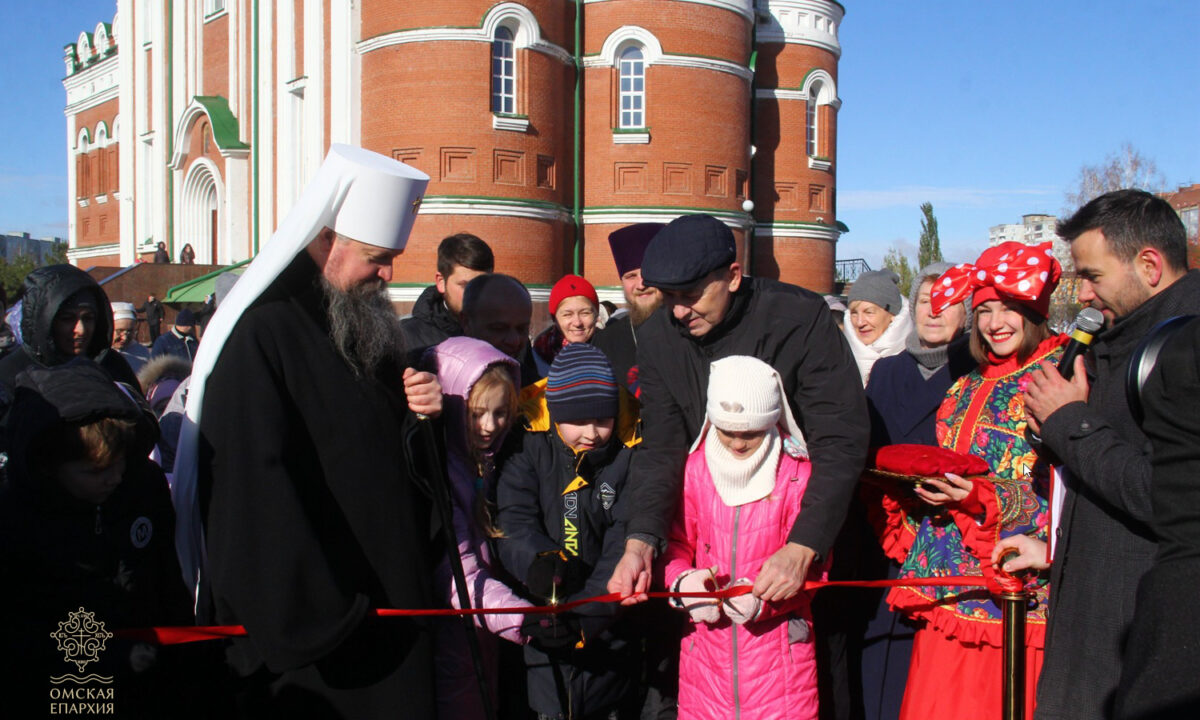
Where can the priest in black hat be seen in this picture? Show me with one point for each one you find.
(618, 338)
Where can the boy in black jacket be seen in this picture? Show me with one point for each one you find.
(560, 499)
(86, 525)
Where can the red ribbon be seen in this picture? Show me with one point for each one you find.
(187, 633)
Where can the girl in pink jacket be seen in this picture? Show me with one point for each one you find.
(479, 397)
(744, 479)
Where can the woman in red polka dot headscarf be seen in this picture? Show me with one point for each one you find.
(950, 527)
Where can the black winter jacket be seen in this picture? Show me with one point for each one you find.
(789, 328)
(431, 322)
(618, 340)
(538, 516)
(1105, 540)
(59, 554)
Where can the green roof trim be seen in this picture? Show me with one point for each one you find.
(198, 288)
(224, 124)
(842, 226)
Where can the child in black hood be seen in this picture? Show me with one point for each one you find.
(86, 522)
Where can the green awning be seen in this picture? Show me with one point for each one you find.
(197, 289)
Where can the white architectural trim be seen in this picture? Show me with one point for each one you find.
(355, 76)
(826, 96)
(801, 22)
(202, 179)
(632, 215)
(508, 122)
(517, 18)
(91, 87)
(811, 231)
(290, 93)
(83, 140)
(103, 136)
(92, 251)
(269, 211)
(312, 144)
(741, 7)
(72, 182)
(101, 39)
(623, 37)
(527, 33)
(341, 59)
(702, 63)
(780, 94)
(126, 130)
(631, 138)
(818, 163)
(499, 208)
(183, 129)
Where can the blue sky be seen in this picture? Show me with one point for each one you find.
(988, 110)
(985, 109)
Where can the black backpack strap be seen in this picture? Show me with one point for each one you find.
(1143, 360)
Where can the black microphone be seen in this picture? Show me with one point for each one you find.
(1087, 323)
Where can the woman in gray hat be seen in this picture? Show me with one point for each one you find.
(878, 321)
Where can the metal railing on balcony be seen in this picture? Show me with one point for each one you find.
(847, 271)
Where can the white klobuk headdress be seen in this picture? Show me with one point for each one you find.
(361, 195)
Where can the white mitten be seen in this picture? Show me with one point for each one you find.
(702, 610)
(741, 609)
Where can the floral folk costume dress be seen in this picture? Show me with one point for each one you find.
(957, 658)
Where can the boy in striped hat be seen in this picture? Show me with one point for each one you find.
(560, 499)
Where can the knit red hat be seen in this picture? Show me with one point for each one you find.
(570, 286)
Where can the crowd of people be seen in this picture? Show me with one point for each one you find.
(314, 461)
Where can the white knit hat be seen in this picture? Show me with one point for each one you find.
(123, 311)
(746, 394)
(743, 394)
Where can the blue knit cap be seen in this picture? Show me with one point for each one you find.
(581, 385)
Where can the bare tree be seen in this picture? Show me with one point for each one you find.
(1126, 168)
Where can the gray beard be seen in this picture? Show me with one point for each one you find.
(363, 326)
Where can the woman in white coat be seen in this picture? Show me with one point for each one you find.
(878, 320)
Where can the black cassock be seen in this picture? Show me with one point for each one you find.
(313, 517)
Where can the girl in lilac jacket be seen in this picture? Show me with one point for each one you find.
(479, 389)
(743, 482)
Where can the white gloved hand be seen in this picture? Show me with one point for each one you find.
(702, 610)
(743, 608)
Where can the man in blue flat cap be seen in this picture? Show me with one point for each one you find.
(710, 311)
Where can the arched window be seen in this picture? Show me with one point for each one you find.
(504, 72)
(632, 71)
(813, 121)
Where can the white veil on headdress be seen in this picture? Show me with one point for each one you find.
(359, 194)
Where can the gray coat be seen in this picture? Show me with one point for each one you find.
(1105, 543)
